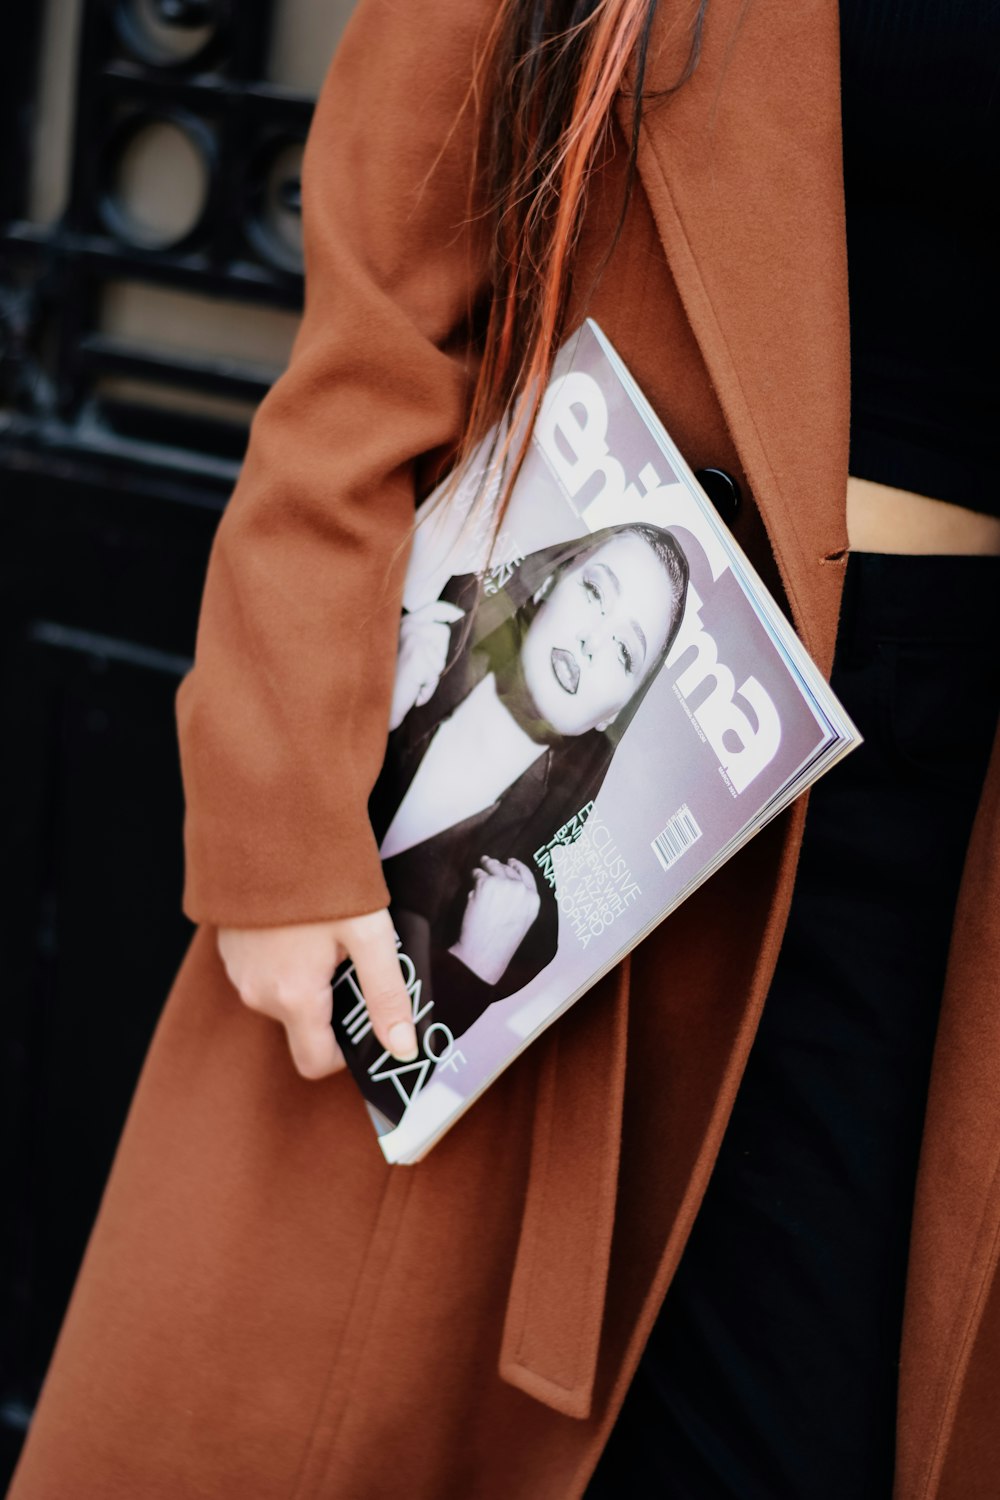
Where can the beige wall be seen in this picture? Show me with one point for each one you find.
(305, 34)
(162, 184)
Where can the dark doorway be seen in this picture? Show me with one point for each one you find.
(149, 283)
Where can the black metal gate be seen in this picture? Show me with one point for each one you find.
(141, 318)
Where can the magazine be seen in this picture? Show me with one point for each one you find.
(593, 710)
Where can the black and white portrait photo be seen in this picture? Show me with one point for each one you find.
(509, 707)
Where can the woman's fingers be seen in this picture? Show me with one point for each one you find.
(510, 869)
(426, 690)
(521, 872)
(310, 1038)
(371, 943)
(502, 907)
(433, 650)
(424, 638)
(444, 613)
(286, 972)
(402, 701)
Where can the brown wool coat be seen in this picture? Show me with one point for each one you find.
(266, 1310)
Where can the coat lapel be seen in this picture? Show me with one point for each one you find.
(742, 169)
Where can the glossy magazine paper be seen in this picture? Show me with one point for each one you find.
(590, 716)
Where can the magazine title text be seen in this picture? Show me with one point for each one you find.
(741, 724)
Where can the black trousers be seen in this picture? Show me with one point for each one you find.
(771, 1371)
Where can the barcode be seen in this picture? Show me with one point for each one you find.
(680, 833)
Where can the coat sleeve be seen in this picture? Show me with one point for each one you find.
(282, 719)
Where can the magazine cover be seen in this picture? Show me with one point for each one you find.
(589, 716)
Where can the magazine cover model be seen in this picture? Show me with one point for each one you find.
(592, 711)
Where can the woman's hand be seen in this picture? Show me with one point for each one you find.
(424, 637)
(502, 905)
(286, 973)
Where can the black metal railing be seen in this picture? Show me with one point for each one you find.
(190, 69)
(120, 438)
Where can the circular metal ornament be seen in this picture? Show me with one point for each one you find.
(158, 176)
(171, 33)
(274, 220)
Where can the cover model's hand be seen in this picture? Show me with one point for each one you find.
(502, 905)
(424, 637)
(286, 972)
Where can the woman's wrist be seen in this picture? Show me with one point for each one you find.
(490, 972)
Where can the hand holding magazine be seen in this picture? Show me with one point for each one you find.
(590, 716)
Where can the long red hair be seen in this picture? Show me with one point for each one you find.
(546, 82)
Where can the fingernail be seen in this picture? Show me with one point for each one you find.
(403, 1041)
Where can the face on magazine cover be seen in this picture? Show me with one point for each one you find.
(600, 631)
(571, 641)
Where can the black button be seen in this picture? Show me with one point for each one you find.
(723, 491)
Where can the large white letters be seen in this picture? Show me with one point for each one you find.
(572, 431)
(743, 748)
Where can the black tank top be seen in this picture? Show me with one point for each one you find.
(921, 95)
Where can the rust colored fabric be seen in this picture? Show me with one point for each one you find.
(266, 1310)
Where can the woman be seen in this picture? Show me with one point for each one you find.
(266, 1309)
(538, 683)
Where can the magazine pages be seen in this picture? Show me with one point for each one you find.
(590, 716)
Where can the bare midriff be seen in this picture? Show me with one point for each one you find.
(882, 519)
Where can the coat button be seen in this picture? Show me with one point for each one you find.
(723, 491)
